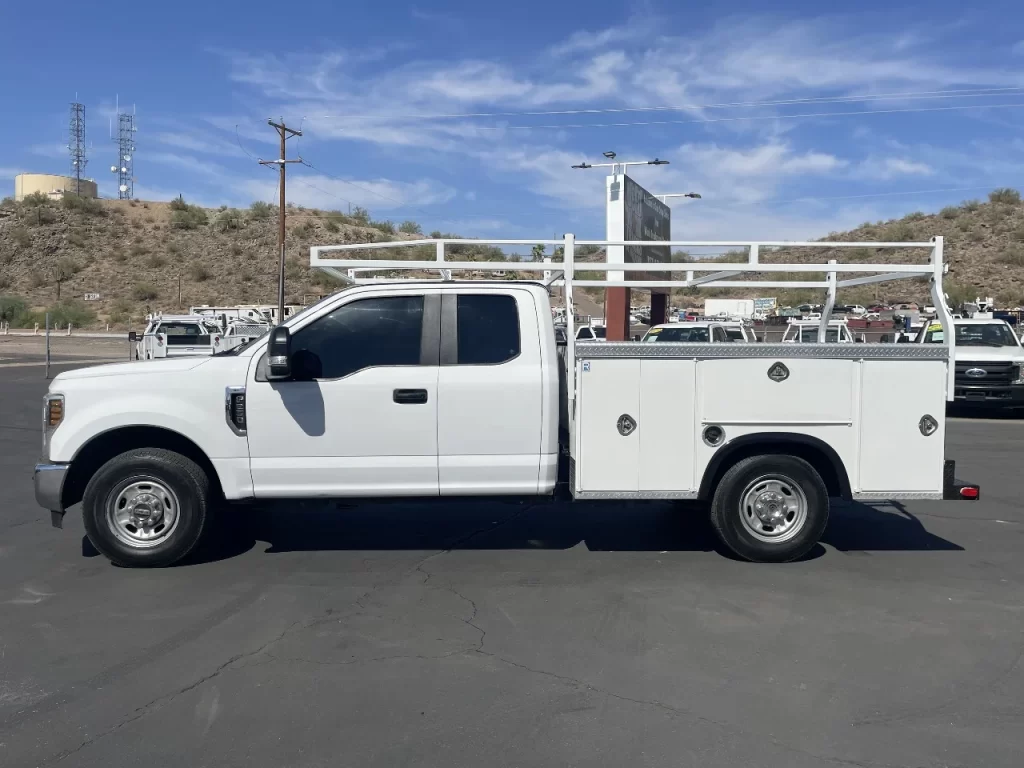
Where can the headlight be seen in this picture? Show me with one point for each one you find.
(53, 415)
(1018, 374)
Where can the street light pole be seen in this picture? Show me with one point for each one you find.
(664, 198)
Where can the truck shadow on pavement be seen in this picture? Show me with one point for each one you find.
(523, 525)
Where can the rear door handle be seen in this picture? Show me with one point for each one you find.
(410, 396)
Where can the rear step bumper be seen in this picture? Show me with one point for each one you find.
(953, 489)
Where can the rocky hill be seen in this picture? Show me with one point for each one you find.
(136, 254)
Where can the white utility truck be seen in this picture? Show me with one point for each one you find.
(179, 336)
(989, 361)
(447, 388)
(703, 329)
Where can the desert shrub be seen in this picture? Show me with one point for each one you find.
(964, 225)
(410, 228)
(41, 215)
(185, 216)
(118, 255)
(976, 235)
(155, 261)
(11, 308)
(173, 248)
(199, 273)
(229, 219)
(385, 226)
(361, 216)
(138, 249)
(949, 212)
(66, 268)
(900, 231)
(87, 206)
(331, 226)
(36, 279)
(35, 200)
(1004, 195)
(21, 237)
(260, 210)
(71, 311)
(321, 279)
(76, 239)
(1013, 255)
(915, 216)
(235, 249)
(145, 292)
(971, 205)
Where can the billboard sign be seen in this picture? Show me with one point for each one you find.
(765, 305)
(635, 214)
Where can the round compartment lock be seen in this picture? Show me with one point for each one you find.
(928, 425)
(713, 435)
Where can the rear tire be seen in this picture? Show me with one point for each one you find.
(146, 507)
(770, 509)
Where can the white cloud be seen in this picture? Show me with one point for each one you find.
(885, 168)
(10, 173)
(53, 150)
(319, 191)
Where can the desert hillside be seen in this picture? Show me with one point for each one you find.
(135, 254)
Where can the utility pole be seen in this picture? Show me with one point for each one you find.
(285, 133)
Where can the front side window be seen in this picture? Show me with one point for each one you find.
(366, 333)
(488, 329)
(735, 334)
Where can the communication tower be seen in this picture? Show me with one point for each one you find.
(125, 156)
(76, 143)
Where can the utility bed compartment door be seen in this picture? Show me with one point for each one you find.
(609, 391)
(894, 454)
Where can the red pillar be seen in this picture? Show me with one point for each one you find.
(659, 308)
(616, 314)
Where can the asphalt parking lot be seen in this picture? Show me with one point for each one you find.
(509, 634)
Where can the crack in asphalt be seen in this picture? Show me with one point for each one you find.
(298, 625)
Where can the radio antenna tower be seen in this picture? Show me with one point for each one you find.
(76, 143)
(125, 156)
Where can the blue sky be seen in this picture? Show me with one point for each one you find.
(370, 82)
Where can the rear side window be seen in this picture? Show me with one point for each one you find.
(488, 329)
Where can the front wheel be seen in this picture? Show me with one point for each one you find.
(146, 507)
(770, 509)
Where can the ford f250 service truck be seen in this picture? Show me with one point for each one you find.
(445, 388)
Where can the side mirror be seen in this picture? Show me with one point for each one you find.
(133, 336)
(279, 355)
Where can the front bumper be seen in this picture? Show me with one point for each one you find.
(1011, 396)
(49, 484)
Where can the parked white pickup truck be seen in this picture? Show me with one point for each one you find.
(438, 388)
(699, 331)
(989, 362)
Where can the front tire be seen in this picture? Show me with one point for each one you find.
(146, 507)
(770, 509)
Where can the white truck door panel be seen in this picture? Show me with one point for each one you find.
(666, 419)
(608, 390)
(489, 405)
(894, 455)
(361, 418)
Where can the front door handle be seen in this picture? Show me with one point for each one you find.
(410, 396)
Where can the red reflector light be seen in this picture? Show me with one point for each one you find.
(969, 493)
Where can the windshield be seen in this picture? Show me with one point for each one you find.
(810, 335)
(676, 334)
(987, 335)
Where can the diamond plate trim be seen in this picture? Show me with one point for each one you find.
(699, 351)
(634, 495)
(896, 496)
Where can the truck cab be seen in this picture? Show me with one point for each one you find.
(699, 331)
(989, 361)
(180, 336)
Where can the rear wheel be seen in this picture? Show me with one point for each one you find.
(147, 507)
(770, 508)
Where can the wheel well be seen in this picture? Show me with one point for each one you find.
(817, 453)
(104, 447)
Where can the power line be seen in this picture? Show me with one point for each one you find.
(914, 95)
(752, 118)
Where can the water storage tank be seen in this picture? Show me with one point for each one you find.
(50, 185)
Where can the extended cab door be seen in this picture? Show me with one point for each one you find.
(490, 383)
(359, 417)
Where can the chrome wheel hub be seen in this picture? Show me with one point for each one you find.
(773, 508)
(142, 513)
